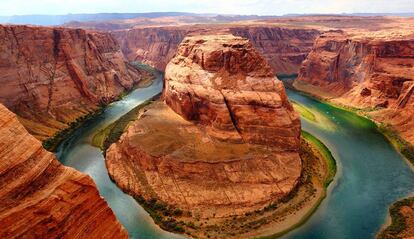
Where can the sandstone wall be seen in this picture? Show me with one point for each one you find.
(373, 72)
(283, 48)
(52, 76)
(40, 198)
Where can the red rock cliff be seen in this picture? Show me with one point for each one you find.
(52, 76)
(283, 48)
(223, 83)
(40, 198)
(369, 71)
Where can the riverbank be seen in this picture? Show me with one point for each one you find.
(331, 169)
(402, 217)
(111, 134)
(404, 147)
(398, 222)
(274, 219)
(52, 143)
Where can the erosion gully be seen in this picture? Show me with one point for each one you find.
(371, 176)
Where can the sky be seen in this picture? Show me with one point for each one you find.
(259, 7)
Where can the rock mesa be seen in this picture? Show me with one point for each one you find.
(226, 141)
(222, 83)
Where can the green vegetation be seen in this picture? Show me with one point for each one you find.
(406, 149)
(326, 153)
(52, 143)
(163, 214)
(111, 134)
(303, 111)
(305, 180)
(398, 221)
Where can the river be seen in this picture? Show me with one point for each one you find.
(371, 176)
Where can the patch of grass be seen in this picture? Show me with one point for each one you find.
(398, 222)
(303, 111)
(406, 149)
(52, 143)
(162, 214)
(111, 134)
(326, 153)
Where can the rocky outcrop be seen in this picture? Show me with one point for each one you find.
(40, 198)
(372, 71)
(222, 83)
(283, 48)
(53, 76)
(226, 145)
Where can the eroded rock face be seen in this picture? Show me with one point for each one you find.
(370, 71)
(222, 83)
(52, 76)
(283, 48)
(225, 142)
(40, 198)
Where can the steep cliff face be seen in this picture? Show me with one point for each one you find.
(221, 82)
(40, 198)
(283, 48)
(370, 71)
(225, 142)
(52, 76)
(153, 46)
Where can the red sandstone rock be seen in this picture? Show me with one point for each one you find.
(52, 76)
(242, 152)
(374, 71)
(284, 48)
(222, 83)
(40, 198)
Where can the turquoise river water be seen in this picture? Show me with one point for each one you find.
(371, 175)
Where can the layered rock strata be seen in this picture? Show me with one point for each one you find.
(222, 83)
(40, 198)
(53, 76)
(283, 47)
(370, 71)
(225, 142)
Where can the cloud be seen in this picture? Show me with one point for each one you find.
(263, 7)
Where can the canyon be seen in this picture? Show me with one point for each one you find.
(283, 47)
(367, 61)
(222, 144)
(52, 77)
(40, 198)
(369, 71)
